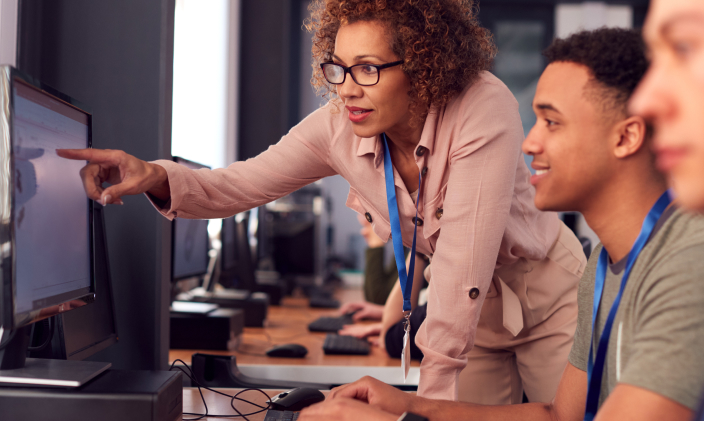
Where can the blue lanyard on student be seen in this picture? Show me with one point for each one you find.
(395, 221)
(595, 367)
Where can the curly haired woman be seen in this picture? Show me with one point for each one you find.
(502, 300)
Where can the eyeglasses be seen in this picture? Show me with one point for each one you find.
(362, 74)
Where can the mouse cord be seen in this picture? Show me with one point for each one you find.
(254, 354)
(190, 375)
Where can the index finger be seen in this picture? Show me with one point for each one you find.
(96, 156)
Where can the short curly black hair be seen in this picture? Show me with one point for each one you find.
(614, 56)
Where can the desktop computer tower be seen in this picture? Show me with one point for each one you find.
(255, 304)
(220, 329)
(116, 395)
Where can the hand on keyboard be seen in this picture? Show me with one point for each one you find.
(361, 331)
(363, 310)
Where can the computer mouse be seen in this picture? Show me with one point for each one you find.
(287, 351)
(296, 399)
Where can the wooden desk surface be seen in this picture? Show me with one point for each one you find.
(288, 323)
(220, 405)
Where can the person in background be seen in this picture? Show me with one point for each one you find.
(379, 279)
(591, 155)
(388, 333)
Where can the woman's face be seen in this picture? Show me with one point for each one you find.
(384, 107)
(671, 94)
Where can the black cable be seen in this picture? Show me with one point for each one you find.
(49, 337)
(190, 375)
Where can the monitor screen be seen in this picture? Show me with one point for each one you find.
(191, 243)
(191, 246)
(237, 267)
(80, 333)
(51, 214)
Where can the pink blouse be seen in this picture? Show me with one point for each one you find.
(476, 204)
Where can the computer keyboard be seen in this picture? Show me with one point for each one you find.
(323, 302)
(345, 345)
(274, 415)
(330, 324)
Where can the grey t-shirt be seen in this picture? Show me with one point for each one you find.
(657, 340)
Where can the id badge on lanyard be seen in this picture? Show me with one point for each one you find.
(595, 366)
(403, 277)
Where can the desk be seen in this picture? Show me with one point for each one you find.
(288, 323)
(220, 405)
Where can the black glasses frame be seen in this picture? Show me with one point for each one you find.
(349, 70)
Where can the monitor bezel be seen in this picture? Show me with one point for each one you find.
(10, 319)
(185, 162)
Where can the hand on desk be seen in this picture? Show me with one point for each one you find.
(361, 331)
(363, 310)
(344, 410)
(377, 394)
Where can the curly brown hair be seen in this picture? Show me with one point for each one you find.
(440, 41)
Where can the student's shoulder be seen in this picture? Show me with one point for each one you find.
(683, 230)
(675, 256)
(586, 284)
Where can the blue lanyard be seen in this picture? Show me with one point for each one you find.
(395, 221)
(595, 367)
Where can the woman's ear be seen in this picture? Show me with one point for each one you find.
(632, 134)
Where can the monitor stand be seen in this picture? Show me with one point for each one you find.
(17, 369)
(56, 373)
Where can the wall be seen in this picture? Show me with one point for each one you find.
(268, 86)
(117, 57)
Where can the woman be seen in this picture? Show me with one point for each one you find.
(414, 72)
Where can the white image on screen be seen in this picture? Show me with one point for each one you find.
(51, 221)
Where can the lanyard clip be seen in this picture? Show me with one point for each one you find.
(407, 322)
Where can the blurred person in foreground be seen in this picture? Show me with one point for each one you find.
(593, 156)
(671, 97)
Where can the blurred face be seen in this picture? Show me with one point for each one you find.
(383, 107)
(569, 140)
(672, 94)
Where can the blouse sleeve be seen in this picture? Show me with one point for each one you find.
(298, 159)
(476, 210)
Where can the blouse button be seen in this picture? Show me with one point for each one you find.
(474, 293)
(417, 221)
(420, 151)
(438, 213)
(425, 171)
(369, 217)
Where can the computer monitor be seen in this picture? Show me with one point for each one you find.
(191, 243)
(45, 224)
(237, 266)
(253, 234)
(87, 330)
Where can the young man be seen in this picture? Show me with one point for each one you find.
(593, 157)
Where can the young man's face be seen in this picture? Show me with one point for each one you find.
(671, 94)
(569, 140)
